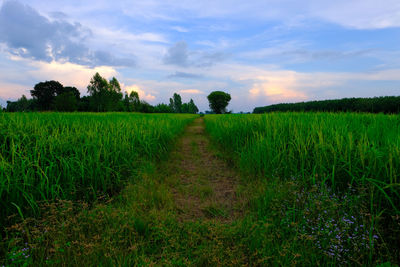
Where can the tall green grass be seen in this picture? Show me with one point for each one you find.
(347, 152)
(341, 149)
(47, 156)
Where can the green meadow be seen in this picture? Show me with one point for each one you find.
(119, 189)
(77, 156)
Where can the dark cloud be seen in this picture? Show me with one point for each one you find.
(177, 55)
(209, 59)
(30, 35)
(185, 75)
(180, 55)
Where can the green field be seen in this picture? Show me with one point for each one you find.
(344, 167)
(51, 156)
(221, 190)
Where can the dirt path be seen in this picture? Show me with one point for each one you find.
(204, 186)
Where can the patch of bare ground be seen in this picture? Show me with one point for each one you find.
(203, 185)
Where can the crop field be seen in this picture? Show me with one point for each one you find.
(76, 156)
(349, 159)
(120, 189)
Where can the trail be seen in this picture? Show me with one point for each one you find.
(180, 211)
(204, 187)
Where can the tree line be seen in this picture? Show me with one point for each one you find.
(103, 96)
(385, 104)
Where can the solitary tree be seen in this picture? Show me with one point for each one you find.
(219, 101)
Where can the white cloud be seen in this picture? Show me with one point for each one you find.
(69, 73)
(141, 92)
(361, 14)
(179, 29)
(191, 91)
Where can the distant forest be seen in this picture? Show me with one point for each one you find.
(385, 104)
(103, 96)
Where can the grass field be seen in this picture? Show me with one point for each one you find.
(76, 156)
(277, 189)
(345, 170)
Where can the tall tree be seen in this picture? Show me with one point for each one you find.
(132, 101)
(171, 104)
(45, 92)
(97, 89)
(114, 95)
(105, 96)
(219, 101)
(177, 103)
(192, 108)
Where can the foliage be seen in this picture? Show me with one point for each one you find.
(21, 105)
(189, 107)
(66, 102)
(219, 101)
(105, 96)
(386, 104)
(176, 103)
(69, 89)
(45, 92)
(131, 101)
(163, 108)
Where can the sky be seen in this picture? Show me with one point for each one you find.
(260, 51)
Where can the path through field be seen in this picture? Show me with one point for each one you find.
(184, 210)
(204, 186)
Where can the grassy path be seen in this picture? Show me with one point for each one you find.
(182, 211)
(204, 186)
(193, 209)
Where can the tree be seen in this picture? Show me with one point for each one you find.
(45, 92)
(192, 108)
(146, 107)
(22, 104)
(219, 101)
(73, 90)
(97, 89)
(105, 96)
(66, 102)
(84, 103)
(163, 108)
(132, 101)
(185, 108)
(176, 103)
(171, 103)
(114, 95)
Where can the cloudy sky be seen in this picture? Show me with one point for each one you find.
(260, 51)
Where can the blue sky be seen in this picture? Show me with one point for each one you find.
(261, 52)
